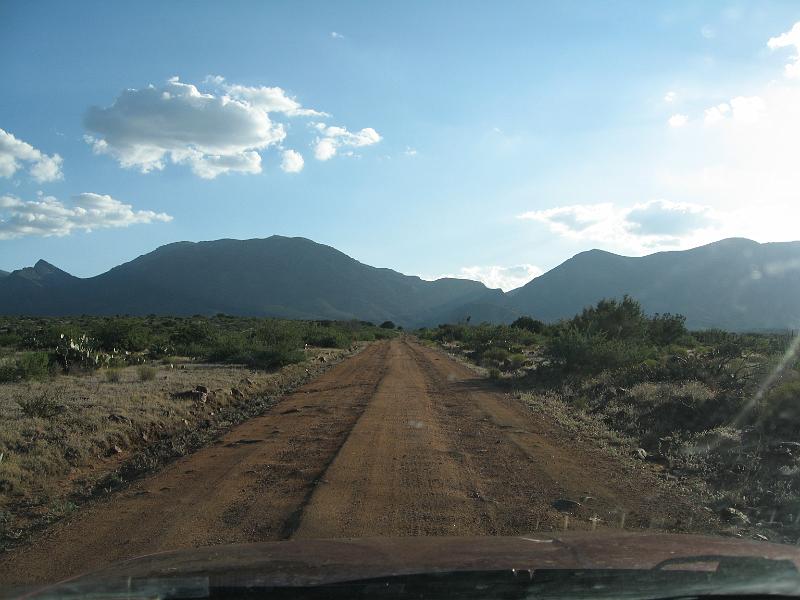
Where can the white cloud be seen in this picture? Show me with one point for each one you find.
(221, 129)
(336, 36)
(268, 99)
(14, 151)
(48, 216)
(505, 278)
(331, 138)
(670, 97)
(789, 39)
(292, 161)
(717, 113)
(639, 228)
(678, 120)
(409, 151)
(741, 158)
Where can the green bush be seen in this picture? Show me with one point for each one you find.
(666, 329)
(113, 375)
(27, 366)
(587, 352)
(146, 373)
(495, 356)
(123, 334)
(387, 325)
(43, 405)
(529, 324)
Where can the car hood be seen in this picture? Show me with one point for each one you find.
(315, 562)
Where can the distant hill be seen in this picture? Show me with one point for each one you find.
(734, 284)
(277, 276)
(3, 273)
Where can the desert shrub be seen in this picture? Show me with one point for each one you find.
(387, 325)
(665, 329)
(779, 410)
(529, 324)
(326, 337)
(123, 334)
(146, 373)
(194, 334)
(113, 375)
(27, 366)
(494, 373)
(587, 352)
(515, 362)
(42, 405)
(495, 356)
(614, 319)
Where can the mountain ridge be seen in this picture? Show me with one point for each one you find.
(734, 283)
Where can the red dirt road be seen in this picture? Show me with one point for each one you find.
(399, 440)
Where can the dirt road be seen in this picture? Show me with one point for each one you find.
(398, 440)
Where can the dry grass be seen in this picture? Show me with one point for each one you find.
(59, 438)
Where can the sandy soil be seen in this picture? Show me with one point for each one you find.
(399, 440)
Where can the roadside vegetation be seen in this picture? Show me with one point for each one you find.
(87, 402)
(712, 409)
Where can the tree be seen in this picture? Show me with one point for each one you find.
(387, 325)
(529, 324)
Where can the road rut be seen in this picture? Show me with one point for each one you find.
(398, 440)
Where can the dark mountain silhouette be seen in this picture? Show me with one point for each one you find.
(734, 284)
(3, 273)
(276, 276)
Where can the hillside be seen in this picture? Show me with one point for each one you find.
(734, 284)
(276, 276)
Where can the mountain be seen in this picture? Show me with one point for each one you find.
(276, 276)
(735, 284)
(3, 273)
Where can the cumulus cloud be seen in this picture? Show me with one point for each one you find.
(221, 129)
(670, 97)
(789, 39)
(46, 216)
(638, 228)
(678, 120)
(14, 152)
(337, 36)
(331, 138)
(267, 99)
(292, 161)
(494, 276)
(745, 109)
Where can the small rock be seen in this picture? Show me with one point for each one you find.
(735, 516)
(116, 449)
(323, 359)
(640, 453)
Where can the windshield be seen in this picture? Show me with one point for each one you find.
(399, 290)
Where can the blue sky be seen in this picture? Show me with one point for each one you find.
(487, 140)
